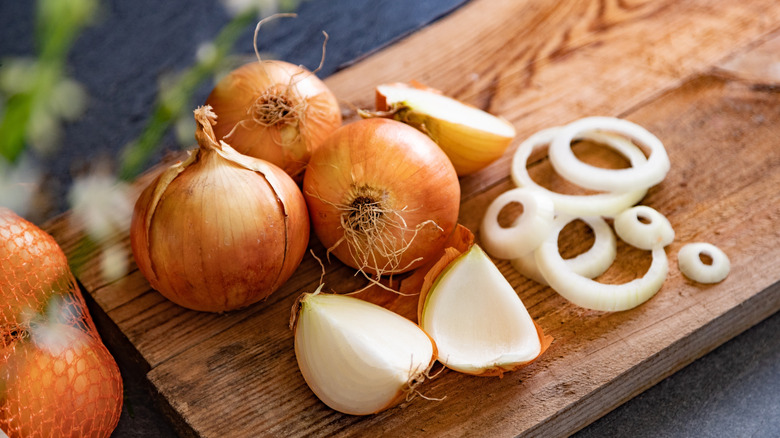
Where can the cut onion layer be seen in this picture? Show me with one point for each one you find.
(602, 204)
(590, 264)
(525, 233)
(478, 322)
(689, 260)
(644, 228)
(591, 294)
(637, 177)
(357, 357)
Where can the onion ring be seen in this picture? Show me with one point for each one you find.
(630, 228)
(691, 265)
(602, 204)
(591, 294)
(637, 177)
(527, 231)
(590, 264)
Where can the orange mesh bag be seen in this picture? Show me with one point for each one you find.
(57, 379)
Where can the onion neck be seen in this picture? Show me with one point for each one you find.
(204, 134)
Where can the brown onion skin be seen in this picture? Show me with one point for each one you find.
(396, 158)
(237, 91)
(217, 243)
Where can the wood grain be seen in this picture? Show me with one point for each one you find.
(694, 73)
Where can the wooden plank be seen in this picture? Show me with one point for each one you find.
(700, 88)
(595, 355)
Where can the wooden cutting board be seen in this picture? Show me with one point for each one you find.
(704, 76)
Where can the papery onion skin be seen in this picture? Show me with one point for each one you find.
(213, 234)
(392, 164)
(288, 145)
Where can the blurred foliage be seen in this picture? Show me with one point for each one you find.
(174, 98)
(37, 96)
(36, 93)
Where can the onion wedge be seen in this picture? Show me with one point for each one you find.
(470, 137)
(478, 322)
(357, 357)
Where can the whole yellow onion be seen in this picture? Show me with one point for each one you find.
(220, 230)
(275, 111)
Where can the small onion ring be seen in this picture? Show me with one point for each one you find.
(691, 265)
(590, 264)
(637, 177)
(602, 204)
(657, 232)
(591, 294)
(526, 232)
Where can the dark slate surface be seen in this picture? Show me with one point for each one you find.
(731, 392)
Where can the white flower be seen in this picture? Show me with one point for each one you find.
(18, 184)
(263, 7)
(102, 205)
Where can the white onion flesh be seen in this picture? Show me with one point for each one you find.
(357, 357)
(590, 264)
(601, 204)
(591, 294)
(478, 322)
(691, 265)
(657, 231)
(637, 177)
(526, 232)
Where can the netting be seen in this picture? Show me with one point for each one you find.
(57, 379)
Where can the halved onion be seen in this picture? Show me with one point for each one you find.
(357, 357)
(689, 260)
(478, 322)
(601, 204)
(638, 177)
(590, 264)
(591, 294)
(644, 227)
(470, 137)
(526, 232)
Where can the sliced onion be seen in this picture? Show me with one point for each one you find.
(526, 232)
(590, 264)
(691, 265)
(637, 177)
(657, 231)
(591, 294)
(602, 204)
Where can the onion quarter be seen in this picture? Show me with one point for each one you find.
(357, 357)
(477, 320)
(470, 137)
